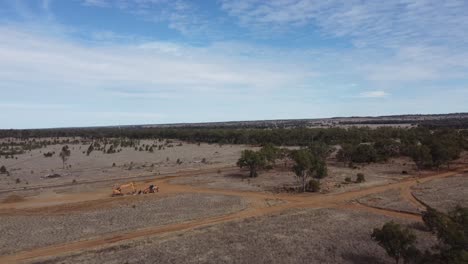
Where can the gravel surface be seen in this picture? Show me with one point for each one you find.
(444, 194)
(297, 236)
(21, 232)
(390, 199)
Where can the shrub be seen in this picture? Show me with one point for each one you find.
(113, 164)
(347, 179)
(203, 160)
(3, 170)
(18, 180)
(360, 177)
(313, 186)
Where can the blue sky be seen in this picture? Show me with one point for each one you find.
(103, 62)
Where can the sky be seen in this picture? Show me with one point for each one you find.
(121, 62)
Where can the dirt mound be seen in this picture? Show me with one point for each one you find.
(13, 199)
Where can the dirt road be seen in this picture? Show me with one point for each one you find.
(259, 205)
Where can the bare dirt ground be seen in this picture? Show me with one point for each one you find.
(31, 167)
(207, 213)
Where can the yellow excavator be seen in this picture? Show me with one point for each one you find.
(128, 188)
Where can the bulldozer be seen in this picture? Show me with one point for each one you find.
(123, 189)
(151, 189)
(129, 189)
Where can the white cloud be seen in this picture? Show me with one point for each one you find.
(153, 65)
(373, 94)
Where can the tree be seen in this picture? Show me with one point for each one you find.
(270, 152)
(65, 154)
(386, 148)
(364, 153)
(397, 242)
(308, 165)
(452, 232)
(253, 160)
(90, 149)
(421, 156)
(320, 149)
(344, 153)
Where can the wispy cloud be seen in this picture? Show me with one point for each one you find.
(367, 22)
(182, 16)
(373, 94)
(156, 65)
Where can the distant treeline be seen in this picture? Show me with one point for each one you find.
(280, 136)
(458, 123)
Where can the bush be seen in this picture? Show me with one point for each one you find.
(313, 186)
(113, 164)
(364, 153)
(348, 179)
(3, 170)
(18, 180)
(360, 178)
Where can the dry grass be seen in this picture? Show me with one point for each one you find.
(390, 199)
(25, 231)
(297, 236)
(444, 194)
(32, 166)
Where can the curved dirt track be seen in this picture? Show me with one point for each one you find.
(258, 206)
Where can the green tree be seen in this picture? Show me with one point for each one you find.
(452, 232)
(398, 242)
(364, 153)
(65, 154)
(421, 156)
(344, 153)
(308, 165)
(253, 160)
(386, 148)
(270, 152)
(320, 149)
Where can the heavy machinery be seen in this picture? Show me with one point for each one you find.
(128, 188)
(150, 189)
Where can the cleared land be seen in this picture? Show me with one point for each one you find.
(297, 236)
(207, 210)
(31, 229)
